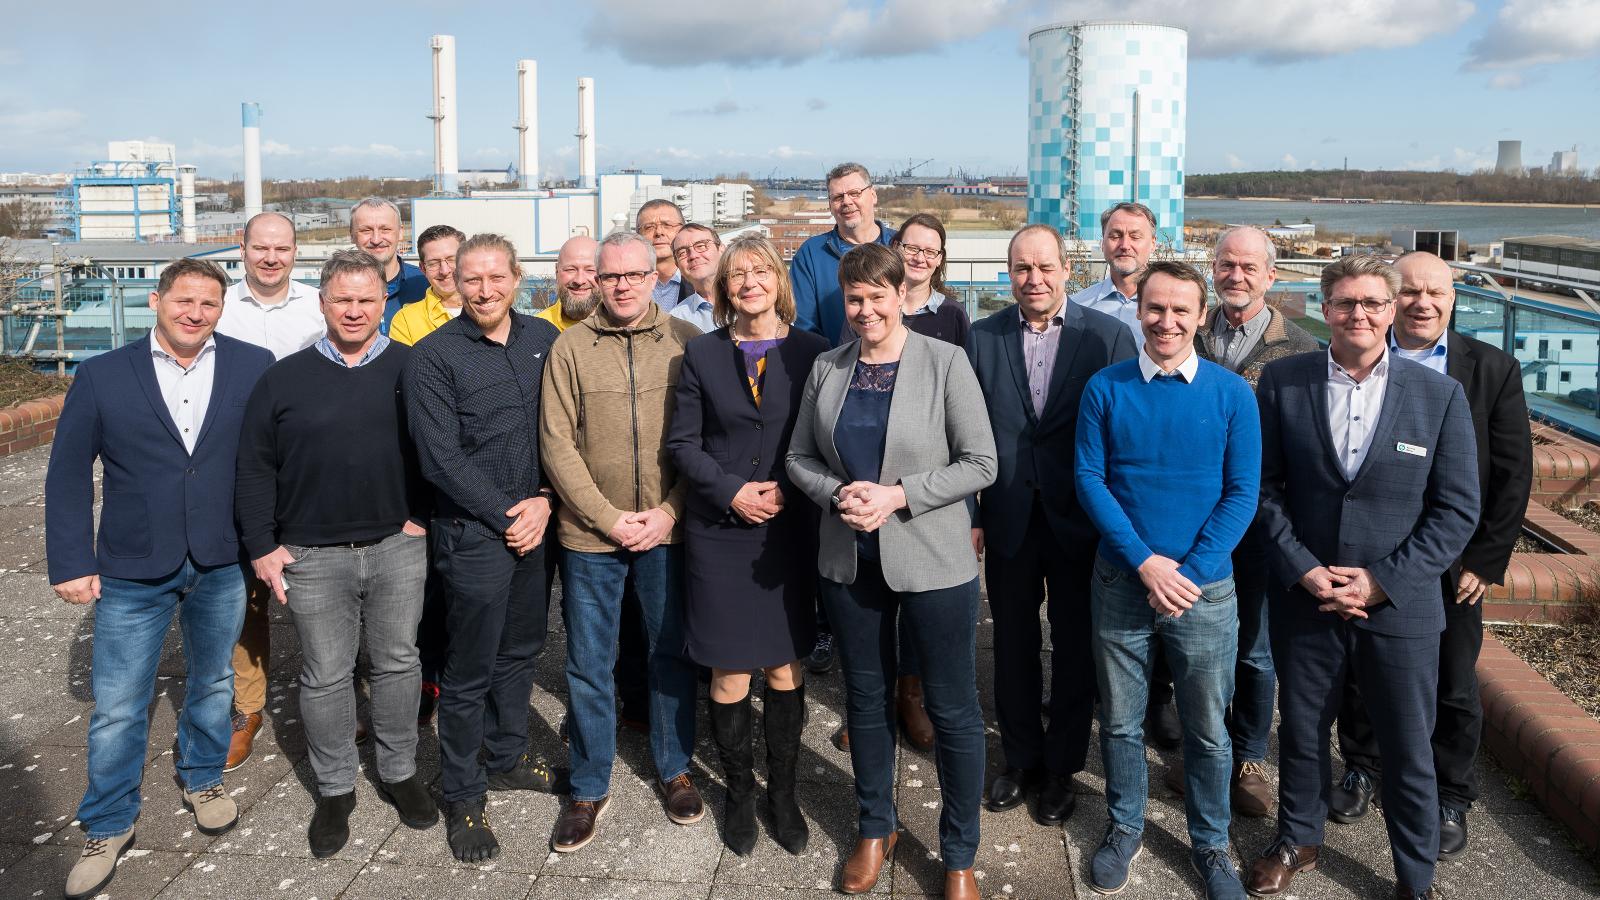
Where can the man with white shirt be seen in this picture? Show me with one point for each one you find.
(697, 250)
(273, 311)
(1127, 238)
(659, 221)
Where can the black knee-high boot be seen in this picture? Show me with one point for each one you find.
(784, 717)
(730, 722)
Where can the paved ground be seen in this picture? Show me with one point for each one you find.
(1516, 852)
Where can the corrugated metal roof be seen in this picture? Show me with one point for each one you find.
(1557, 241)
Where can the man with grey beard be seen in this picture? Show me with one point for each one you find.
(575, 293)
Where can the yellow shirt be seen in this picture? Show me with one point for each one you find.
(552, 314)
(416, 321)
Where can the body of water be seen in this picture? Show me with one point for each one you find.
(1477, 224)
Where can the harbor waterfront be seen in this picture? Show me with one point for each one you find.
(1478, 223)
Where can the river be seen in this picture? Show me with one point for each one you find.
(1477, 224)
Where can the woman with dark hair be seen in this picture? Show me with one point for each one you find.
(929, 308)
(891, 439)
(750, 539)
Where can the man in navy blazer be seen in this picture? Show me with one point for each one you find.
(1033, 359)
(1369, 492)
(162, 415)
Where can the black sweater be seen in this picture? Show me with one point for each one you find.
(324, 455)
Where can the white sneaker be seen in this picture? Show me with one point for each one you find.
(97, 866)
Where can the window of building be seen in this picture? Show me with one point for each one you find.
(1566, 344)
(1522, 343)
(1566, 377)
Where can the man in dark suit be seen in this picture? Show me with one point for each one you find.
(1369, 491)
(162, 415)
(1033, 360)
(1492, 379)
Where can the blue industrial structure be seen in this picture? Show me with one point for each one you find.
(98, 193)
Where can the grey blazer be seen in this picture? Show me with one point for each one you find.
(939, 449)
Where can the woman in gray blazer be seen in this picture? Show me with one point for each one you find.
(891, 440)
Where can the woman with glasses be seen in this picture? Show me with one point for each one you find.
(751, 540)
(929, 310)
(891, 439)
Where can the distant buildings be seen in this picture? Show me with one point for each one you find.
(1564, 162)
(709, 204)
(1509, 161)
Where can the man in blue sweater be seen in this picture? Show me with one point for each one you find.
(818, 301)
(1169, 467)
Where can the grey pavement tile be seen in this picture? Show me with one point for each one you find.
(381, 881)
(41, 791)
(166, 824)
(22, 515)
(28, 595)
(1016, 856)
(21, 549)
(548, 887)
(10, 853)
(763, 892)
(830, 811)
(1508, 854)
(521, 820)
(635, 838)
(43, 645)
(215, 875)
(141, 872)
(22, 476)
(275, 824)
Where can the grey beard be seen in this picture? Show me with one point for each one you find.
(575, 309)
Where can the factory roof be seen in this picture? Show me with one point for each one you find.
(1558, 241)
(118, 251)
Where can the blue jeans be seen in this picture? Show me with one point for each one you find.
(130, 622)
(941, 625)
(591, 602)
(1255, 680)
(1201, 646)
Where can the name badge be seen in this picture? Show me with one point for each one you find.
(1412, 449)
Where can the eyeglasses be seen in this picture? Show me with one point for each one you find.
(434, 265)
(698, 247)
(610, 279)
(912, 252)
(740, 276)
(1372, 306)
(852, 196)
(647, 227)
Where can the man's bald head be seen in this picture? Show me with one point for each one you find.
(575, 287)
(1425, 302)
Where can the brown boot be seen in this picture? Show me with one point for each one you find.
(960, 885)
(913, 718)
(1250, 791)
(245, 727)
(1272, 870)
(841, 739)
(860, 873)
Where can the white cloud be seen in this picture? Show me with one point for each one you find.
(1507, 81)
(375, 151)
(1288, 162)
(1432, 164)
(1235, 163)
(678, 153)
(1533, 32)
(723, 107)
(1464, 160)
(39, 122)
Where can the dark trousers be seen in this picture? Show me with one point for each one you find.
(1399, 677)
(1042, 571)
(1459, 726)
(497, 609)
(1254, 678)
(432, 632)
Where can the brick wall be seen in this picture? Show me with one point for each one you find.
(1565, 469)
(30, 424)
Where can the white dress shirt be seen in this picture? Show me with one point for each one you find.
(1353, 409)
(697, 310)
(283, 328)
(186, 391)
(1103, 296)
(1185, 370)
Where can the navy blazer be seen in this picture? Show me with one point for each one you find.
(161, 504)
(1405, 516)
(719, 439)
(1038, 453)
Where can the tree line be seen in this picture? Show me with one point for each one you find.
(1411, 187)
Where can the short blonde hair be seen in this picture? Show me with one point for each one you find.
(757, 250)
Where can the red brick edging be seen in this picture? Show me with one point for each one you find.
(1542, 737)
(27, 425)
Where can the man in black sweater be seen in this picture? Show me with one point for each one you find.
(331, 511)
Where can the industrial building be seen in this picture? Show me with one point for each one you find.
(1107, 104)
(709, 204)
(1553, 256)
(1564, 162)
(1509, 160)
(131, 195)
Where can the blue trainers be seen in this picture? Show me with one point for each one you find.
(1108, 871)
(1216, 871)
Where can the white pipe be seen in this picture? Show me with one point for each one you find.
(586, 175)
(252, 159)
(528, 123)
(186, 191)
(447, 165)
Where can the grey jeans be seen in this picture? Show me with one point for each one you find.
(339, 595)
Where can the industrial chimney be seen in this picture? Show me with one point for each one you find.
(586, 177)
(527, 126)
(446, 166)
(252, 159)
(187, 231)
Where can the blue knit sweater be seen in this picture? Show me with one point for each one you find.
(1169, 467)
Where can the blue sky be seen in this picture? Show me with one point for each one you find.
(701, 87)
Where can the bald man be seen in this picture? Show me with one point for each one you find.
(575, 290)
(1493, 382)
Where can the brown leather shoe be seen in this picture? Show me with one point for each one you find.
(841, 739)
(1250, 791)
(960, 885)
(576, 824)
(682, 800)
(1401, 892)
(913, 718)
(860, 872)
(245, 727)
(1272, 870)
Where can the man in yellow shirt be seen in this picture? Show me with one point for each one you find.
(436, 247)
(575, 291)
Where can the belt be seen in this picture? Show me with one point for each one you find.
(351, 545)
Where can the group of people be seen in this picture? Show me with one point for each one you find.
(736, 464)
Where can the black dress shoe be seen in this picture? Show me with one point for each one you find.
(1011, 787)
(1161, 726)
(1452, 832)
(330, 825)
(1056, 801)
(1351, 799)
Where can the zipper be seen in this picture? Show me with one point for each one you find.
(633, 408)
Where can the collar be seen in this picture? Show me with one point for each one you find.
(840, 246)
(157, 352)
(1057, 320)
(325, 345)
(297, 291)
(935, 300)
(1187, 369)
(1253, 325)
(1104, 288)
(1336, 371)
(473, 330)
(1441, 347)
(695, 301)
(435, 307)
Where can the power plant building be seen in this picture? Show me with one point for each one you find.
(1107, 106)
(1509, 160)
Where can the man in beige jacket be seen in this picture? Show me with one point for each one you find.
(607, 398)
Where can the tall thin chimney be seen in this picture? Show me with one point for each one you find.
(528, 123)
(446, 164)
(586, 176)
(187, 232)
(252, 158)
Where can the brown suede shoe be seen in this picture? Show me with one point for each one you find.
(576, 825)
(914, 719)
(1250, 791)
(960, 885)
(860, 872)
(1272, 870)
(245, 727)
(682, 800)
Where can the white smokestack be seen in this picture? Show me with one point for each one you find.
(446, 165)
(586, 178)
(252, 158)
(528, 123)
(186, 191)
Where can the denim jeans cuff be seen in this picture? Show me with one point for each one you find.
(100, 834)
(588, 798)
(209, 784)
(682, 771)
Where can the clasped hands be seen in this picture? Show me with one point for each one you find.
(758, 501)
(641, 531)
(865, 506)
(1346, 590)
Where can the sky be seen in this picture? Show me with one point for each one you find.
(697, 88)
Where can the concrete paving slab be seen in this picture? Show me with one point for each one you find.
(215, 875)
(1016, 856)
(140, 873)
(41, 791)
(275, 825)
(635, 839)
(521, 820)
(830, 811)
(554, 887)
(28, 595)
(380, 881)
